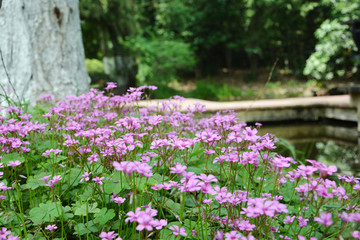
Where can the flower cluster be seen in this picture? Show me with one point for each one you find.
(145, 219)
(102, 156)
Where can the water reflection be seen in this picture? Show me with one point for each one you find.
(333, 145)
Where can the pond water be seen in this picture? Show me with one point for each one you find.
(328, 142)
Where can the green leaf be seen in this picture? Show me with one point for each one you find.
(104, 216)
(288, 191)
(48, 212)
(151, 182)
(81, 229)
(42, 146)
(332, 206)
(75, 176)
(160, 178)
(140, 183)
(81, 210)
(32, 184)
(173, 206)
(12, 157)
(114, 187)
(196, 150)
(60, 158)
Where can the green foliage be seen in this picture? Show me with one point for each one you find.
(333, 51)
(94, 66)
(169, 37)
(327, 151)
(96, 72)
(137, 179)
(161, 60)
(209, 90)
(334, 54)
(12, 157)
(48, 212)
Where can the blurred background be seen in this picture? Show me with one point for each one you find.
(222, 49)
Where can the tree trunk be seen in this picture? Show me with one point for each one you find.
(42, 49)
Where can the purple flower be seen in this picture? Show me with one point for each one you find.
(108, 235)
(110, 85)
(85, 176)
(289, 219)
(144, 222)
(356, 234)
(3, 187)
(208, 179)
(324, 219)
(208, 201)
(14, 164)
(93, 158)
(219, 235)
(51, 183)
(46, 178)
(47, 97)
(302, 221)
(4, 232)
(98, 180)
(159, 224)
(245, 225)
(116, 199)
(11, 237)
(51, 227)
(178, 169)
(233, 235)
(145, 219)
(178, 232)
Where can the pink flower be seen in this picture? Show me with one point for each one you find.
(4, 232)
(159, 224)
(289, 219)
(51, 183)
(51, 227)
(208, 179)
(302, 221)
(250, 134)
(145, 219)
(14, 164)
(57, 178)
(110, 85)
(245, 225)
(219, 235)
(233, 235)
(85, 176)
(46, 178)
(176, 231)
(356, 234)
(108, 235)
(93, 158)
(47, 97)
(116, 199)
(98, 180)
(324, 219)
(144, 222)
(11, 237)
(178, 169)
(3, 187)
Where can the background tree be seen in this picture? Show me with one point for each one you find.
(107, 26)
(335, 51)
(168, 40)
(42, 49)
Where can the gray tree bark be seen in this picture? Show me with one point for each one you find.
(42, 49)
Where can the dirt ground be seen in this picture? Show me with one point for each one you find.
(267, 85)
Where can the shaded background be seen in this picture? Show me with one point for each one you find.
(221, 49)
